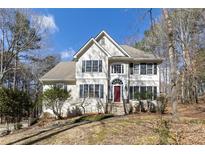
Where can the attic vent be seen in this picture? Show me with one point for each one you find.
(102, 42)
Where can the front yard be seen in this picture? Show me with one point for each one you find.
(143, 128)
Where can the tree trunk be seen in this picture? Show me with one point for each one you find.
(15, 73)
(172, 59)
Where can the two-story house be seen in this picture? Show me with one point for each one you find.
(104, 71)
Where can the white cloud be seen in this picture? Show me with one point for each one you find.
(46, 22)
(67, 54)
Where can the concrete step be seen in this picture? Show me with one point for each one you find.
(117, 109)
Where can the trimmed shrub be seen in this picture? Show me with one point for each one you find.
(54, 99)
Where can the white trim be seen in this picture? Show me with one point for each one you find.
(122, 68)
(92, 40)
(113, 41)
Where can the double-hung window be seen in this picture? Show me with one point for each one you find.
(134, 92)
(88, 66)
(85, 90)
(60, 86)
(143, 69)
(136, 69)
(95, 66)
(143, 92)
(117, 68)
(149, 68)
(92, 66)
(91, 91)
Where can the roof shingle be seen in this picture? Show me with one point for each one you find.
(136, 53)
(63, 71)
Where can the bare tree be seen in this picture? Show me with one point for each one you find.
(20, 33)
(172, 58)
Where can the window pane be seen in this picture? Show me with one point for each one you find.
(95, 65)
(149, 92)
(142, 68)
(81, 91)
(155, 68)
(143, 92)
(85, 90)
(88, 65)
(83, 66)
(149, 68)
(136, 68)
(131, 92)
(97, 90)
(117, 68)
(100, 65)
(101, 91)
(91, 91)
(136, 92)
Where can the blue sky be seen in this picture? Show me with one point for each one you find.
(74, 27)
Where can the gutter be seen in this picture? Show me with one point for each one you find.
(128, 59)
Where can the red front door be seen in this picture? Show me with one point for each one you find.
(116, 93)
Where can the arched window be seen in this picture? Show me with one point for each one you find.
(117, 81)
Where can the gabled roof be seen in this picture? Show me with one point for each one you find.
(87, 45)
(103, 33)
(63, 71)
(139, 54)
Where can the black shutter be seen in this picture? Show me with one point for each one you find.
(155, 68)
(83, 66)
(100, 65)
(131, 68)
